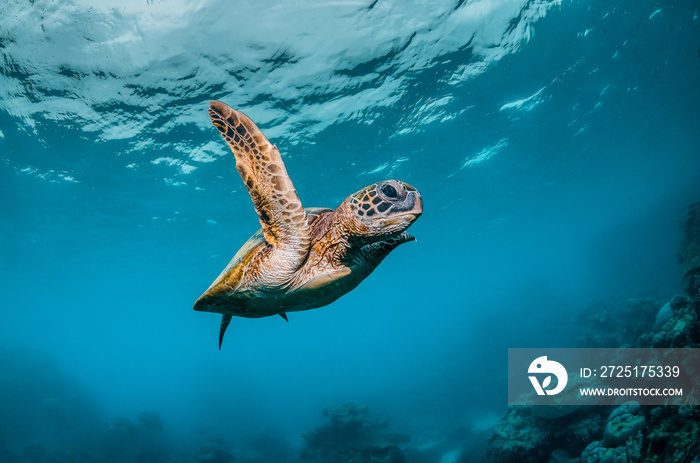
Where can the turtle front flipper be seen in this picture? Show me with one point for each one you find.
(260, 165)
(371, 255)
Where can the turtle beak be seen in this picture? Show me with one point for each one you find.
(417, 203)
(412, 207)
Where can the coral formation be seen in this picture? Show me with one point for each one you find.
(623, 423)
(45, 417)
(213, 451)
(622, 441)
(142, 440)
(39, 404)
(350, 434)
(600, 327)
(681, 327)
(689, 252)
(521, 437)
(673, 436)
(630, 433)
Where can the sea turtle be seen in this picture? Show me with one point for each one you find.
(301, 258)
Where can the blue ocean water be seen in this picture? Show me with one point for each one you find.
(555, 143)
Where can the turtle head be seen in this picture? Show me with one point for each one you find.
(383, 210)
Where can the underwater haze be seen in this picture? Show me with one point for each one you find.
(556, 145)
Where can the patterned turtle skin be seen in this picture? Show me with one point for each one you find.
(300, 259)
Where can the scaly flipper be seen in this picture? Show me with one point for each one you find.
(373, 254)
(225, 320)
(282, 216)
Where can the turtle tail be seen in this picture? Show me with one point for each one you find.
(225, 320)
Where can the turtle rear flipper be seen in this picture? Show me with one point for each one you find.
(225, 320)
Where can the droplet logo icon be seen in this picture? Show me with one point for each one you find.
(541, 365)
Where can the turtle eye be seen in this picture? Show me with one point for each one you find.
(390, 192)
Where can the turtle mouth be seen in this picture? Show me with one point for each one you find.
(409, 217)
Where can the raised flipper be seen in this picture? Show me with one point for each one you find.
(284, 315)
(260, 165)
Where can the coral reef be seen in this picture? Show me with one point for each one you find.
(630, 433)
(681, 327)
(141, 441)
(624, 423)
(600, 327)
(213, 451)
(522, 437)
(689, 252)
(45, 417)
(350, 435)
(673, 436)
(39, 404)
(622, 441)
